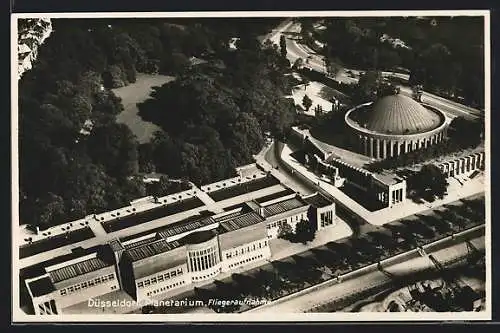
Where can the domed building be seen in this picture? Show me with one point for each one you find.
(394, 125)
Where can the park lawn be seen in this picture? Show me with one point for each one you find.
(136, 93)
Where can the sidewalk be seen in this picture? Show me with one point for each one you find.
(205, 198)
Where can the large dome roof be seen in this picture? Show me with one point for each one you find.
(398, 114)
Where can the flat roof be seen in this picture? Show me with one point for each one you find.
(274, 196)
(198, 237)
(141, 242)
(283, 206)
(54, 242)
(76, 269)
(243, 188)
(318, 200)
(152, 249)
(387, 178)
(239, 220)
(42, 286)
(185, 225)
(151, 214)
(38, 269)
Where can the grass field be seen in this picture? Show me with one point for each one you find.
(137, 93)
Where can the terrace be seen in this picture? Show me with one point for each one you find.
(54, 242)
(274, 196)
(76, 269)
(186, 225)
(283, 206)
(156, 231)
(318, 201)
(152, 214)
(237, 221)
(152, 249)
(243, 188)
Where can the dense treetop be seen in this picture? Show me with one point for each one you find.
(76, 160)
(445, 54)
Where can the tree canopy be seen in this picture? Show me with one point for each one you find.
(212, 117)
(426, 46)
(428, 183)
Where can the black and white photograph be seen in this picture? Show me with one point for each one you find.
(251, 166)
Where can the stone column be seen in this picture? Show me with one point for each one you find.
(377, 154)
(371, 147)
(391, 148)
(399, 147)
(365, 145)
(384, 148)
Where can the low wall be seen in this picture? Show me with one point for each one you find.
(373, 267)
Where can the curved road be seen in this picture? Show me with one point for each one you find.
(315, 62)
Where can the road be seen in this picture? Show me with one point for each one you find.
(314, 61)
(287, 178)
(410, 263)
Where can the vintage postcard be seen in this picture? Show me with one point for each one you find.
(251, 166)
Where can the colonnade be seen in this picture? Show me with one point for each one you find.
(385, 148)
(392, 196)
(463, 164)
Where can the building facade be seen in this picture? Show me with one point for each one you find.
(394, 125)
(72, 282)
(191, 251)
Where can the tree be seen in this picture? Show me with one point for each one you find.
(285, 231)
(283, 46)
(115, 147)
(429, 182)
(305, 231)
(298, 63)
(367, 87)
(50, 210)
(306, 102)
(166, 186)
(115, 77)
(146, 158)
(465, 133)
(333, 67)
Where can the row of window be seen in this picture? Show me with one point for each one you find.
(326, 218)
(87, 284)
(202, 252)
(207, 261)
(276, 224)
(196, 278)
(160, 278)
(163, 289)
(279, 223)
(243, 250)
(246, 261)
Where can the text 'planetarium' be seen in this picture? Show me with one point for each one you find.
(394, 125)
